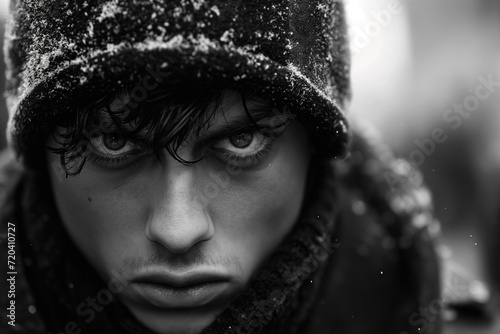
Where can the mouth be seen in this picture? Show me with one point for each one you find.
(191, 290)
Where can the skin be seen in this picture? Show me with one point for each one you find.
(178, 219)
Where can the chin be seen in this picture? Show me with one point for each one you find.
(175, 321)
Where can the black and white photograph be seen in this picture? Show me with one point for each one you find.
(250, 166)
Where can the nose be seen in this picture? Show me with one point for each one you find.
(177, 221)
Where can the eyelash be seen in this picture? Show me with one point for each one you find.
(109, 162)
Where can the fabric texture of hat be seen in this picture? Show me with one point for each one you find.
(63, 53)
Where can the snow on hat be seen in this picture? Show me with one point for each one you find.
(63, 53)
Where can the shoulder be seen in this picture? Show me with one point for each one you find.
(386, 270)
(388, 187)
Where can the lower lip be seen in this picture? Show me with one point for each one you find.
(164, 296)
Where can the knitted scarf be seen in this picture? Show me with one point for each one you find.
(276, 301)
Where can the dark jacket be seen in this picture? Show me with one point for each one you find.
(378, 273)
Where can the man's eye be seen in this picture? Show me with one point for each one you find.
(113, 144)
(244, 143)
(115, 151)
(245, 149)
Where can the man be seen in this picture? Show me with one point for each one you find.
(181, 174)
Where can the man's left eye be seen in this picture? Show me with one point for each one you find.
(243, 143)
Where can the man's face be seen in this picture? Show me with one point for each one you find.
(187, 238)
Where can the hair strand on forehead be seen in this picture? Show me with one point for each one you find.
(164, 120)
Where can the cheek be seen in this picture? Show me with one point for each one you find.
(259, 209)
(104, 220)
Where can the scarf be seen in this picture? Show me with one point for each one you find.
(276, 301)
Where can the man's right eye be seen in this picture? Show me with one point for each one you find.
(112, 144)
(114, 151)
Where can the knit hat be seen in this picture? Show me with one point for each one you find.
(61, 54)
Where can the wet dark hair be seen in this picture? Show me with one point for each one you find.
(164, 119)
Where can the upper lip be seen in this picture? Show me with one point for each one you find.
(180, 280)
